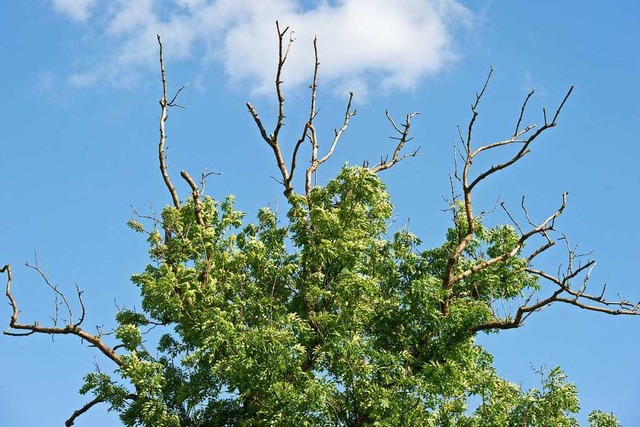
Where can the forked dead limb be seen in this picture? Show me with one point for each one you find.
(70, 328)
(309, 132)
(563, 292)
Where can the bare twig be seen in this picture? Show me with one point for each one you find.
(283, 54)
(522, 111)
(523, 150)
(203, 179)
(402, 140)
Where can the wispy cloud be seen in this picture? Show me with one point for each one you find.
(364, 44)
(78, 10)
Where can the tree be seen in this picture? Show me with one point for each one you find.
(331, 315)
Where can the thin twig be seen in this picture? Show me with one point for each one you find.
(402, 140)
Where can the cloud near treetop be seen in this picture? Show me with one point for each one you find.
(364, 44)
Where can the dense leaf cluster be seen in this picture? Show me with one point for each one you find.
(322, 318)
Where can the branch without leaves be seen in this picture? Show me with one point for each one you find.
(402, 140)
(309, 131)
(524, 137)
(272, 139)
(165, 104)
(69, 329)
(563, 291)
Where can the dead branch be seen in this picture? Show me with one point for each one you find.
(542, 228)
(203, 179)
(82, 410)
(272, 140)
(87, 406)
(165, 104)
(524, 137)
(385, 163)
(69, 329)
(283, 54)
(525, 143)
(197, 209)
(564, 291)
(337, 133)
(309, 130)
(195, 195)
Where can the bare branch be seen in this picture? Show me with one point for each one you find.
(337, 133)
(82, 410)
(203, 179)
(544, 226)
(522, 111)
(54, 288)
(195, 195)
(272, 140)
(402, 140)
(283, 53)
(504, 208)
(309, 130)
(474, 111)
(68, 329)
(468, 187)
(275, 146)
(164, 106)
(87, 406)
(564, 291)
(524, 150)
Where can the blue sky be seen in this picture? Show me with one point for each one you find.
(79, 115)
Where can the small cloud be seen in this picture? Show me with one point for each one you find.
(363, 44)
(78, 10)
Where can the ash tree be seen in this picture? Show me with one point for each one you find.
(325, 316)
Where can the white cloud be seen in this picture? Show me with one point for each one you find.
(78, 10)
(365, 44)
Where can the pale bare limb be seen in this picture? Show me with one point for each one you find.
(203, 179)
(69, 329)
(309, 131)
(195, 195)
(283, 54)
(315, 162)
(525, 145)
(165, 104)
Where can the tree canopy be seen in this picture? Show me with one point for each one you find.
(325, 311)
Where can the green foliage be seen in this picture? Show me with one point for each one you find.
(602, 419)
(322, 318)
